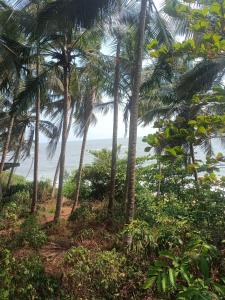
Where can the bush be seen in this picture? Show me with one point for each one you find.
(96, 275)
(16, 180)
(25, 279)
(82, 213)
(31, 233)
(44, 190)
(23, 200)
(96, 178)
(187, 275)
(9, 216)
(70, 185)
(5, 276)
(142, 236)
(108, 272)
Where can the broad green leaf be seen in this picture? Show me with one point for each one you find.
(172, 277)
(164, 282)
(149, 282)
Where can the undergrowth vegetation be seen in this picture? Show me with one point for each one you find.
(176, 249)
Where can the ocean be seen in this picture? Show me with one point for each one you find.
(47, 166)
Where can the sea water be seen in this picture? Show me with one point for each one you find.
(48, 165)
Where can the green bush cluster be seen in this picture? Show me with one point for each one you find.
(25, 279)
(96, 275)
(30, 233)
(96, 178)
(82, 213)
(187, 275)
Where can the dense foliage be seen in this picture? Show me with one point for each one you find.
(122, 227)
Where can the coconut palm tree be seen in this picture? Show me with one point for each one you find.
(13, 60)
(75, 13)
(134, 115)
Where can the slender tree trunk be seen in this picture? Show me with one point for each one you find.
(55, 177)
(16, 158)
(6, 144)
(159, 181)
(192, 153)
(58, 164)
(36, 146)
(134, 117)
(64, 140)
(79, 174)
(126, 189)
(115, 131)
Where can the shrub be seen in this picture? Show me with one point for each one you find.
(82, 213)
(96, 275)
(9, 216)
(108, 272)
(5, 276)
(25, 279)
(188, 275)
(96, 178)
(142, 236)
(86, 234)
(31, 233)
(16, 180)
(44, 190)
(70, 185)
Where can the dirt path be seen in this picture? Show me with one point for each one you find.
(48, 214)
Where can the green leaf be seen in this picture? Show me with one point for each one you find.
(147, 149)
(172, 277)
(153, 44)
(204, 267)
(149, 282)
(201, 130)
(219, 288)
(216, 9)
(164, 282)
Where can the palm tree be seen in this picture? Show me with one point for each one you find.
(85, 117)
(16, 157)
(93, 83)
(78, 13)
(58, 163)
(115, 130)
(36, 146)
(134, 115)
(12, 67)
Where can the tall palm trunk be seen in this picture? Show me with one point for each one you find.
(36, 145)
(6, 144)
(55, 178)
(64, 140)
(79, 173)
(192, 153)
(58, 163)
(16, 158)
(134, 116)
(159, 180)
(115, 131)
